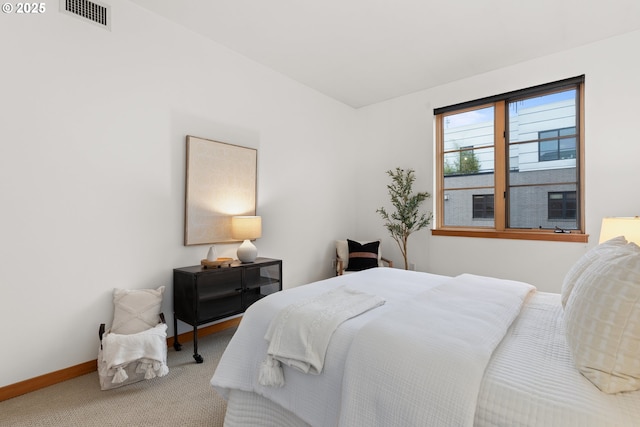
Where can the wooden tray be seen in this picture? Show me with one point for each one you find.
(219, 263)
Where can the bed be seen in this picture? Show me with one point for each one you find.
(409, 361)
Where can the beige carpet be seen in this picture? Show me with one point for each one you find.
(182, 398)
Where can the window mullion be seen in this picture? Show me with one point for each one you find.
(440, 171)
(500, 166)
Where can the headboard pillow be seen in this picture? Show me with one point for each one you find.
(602, 319)
(605, 249)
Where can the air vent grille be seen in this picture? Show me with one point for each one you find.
(91, 11)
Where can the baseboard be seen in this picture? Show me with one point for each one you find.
(36, 383)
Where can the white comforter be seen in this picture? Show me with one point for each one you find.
(436, 349)
(320, 400)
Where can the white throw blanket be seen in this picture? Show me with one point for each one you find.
(422, 364)
(299, 335)
(147, 348)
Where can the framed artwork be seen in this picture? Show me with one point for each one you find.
(220, 183)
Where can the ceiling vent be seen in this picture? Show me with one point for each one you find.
(97, 13)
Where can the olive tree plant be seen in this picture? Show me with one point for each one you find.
(407, 217)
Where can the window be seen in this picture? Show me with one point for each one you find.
(562, 205)
(557, 144)
(483, 206)
(510, 166)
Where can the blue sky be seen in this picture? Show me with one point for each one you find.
(486, 114)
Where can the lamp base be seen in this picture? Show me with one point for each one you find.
(247, 252)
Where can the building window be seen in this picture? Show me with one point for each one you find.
(504, 160)
(562, 205)
(557, 144)
(483, 206)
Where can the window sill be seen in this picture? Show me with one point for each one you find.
(574, 236)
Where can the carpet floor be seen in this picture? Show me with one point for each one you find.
(184, 397)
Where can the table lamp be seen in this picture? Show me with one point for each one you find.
(629, 227)
(246, 228)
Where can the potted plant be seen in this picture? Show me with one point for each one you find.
(407, 217)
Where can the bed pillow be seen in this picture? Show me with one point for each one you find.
(362, 256)
(604, 249)
(602, 319)
(136, 310)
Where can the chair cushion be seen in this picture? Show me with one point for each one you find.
(602, 319)
(136, 310)
(362, 256)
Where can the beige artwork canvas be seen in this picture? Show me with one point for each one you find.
(220, 183)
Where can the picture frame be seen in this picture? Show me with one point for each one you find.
(221, 181)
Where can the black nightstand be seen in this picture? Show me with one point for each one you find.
(203, 295)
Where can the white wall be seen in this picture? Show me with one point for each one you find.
(402, 131)
(92, 165)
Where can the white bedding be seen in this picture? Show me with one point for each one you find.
(530, 379)
(299, 335)
(314, 398)
(422, 364)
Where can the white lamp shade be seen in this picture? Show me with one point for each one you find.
(246, 227)
(629, 227)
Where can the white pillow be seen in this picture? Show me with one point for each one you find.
(602, 319)
(136, 310)
(604, 249)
